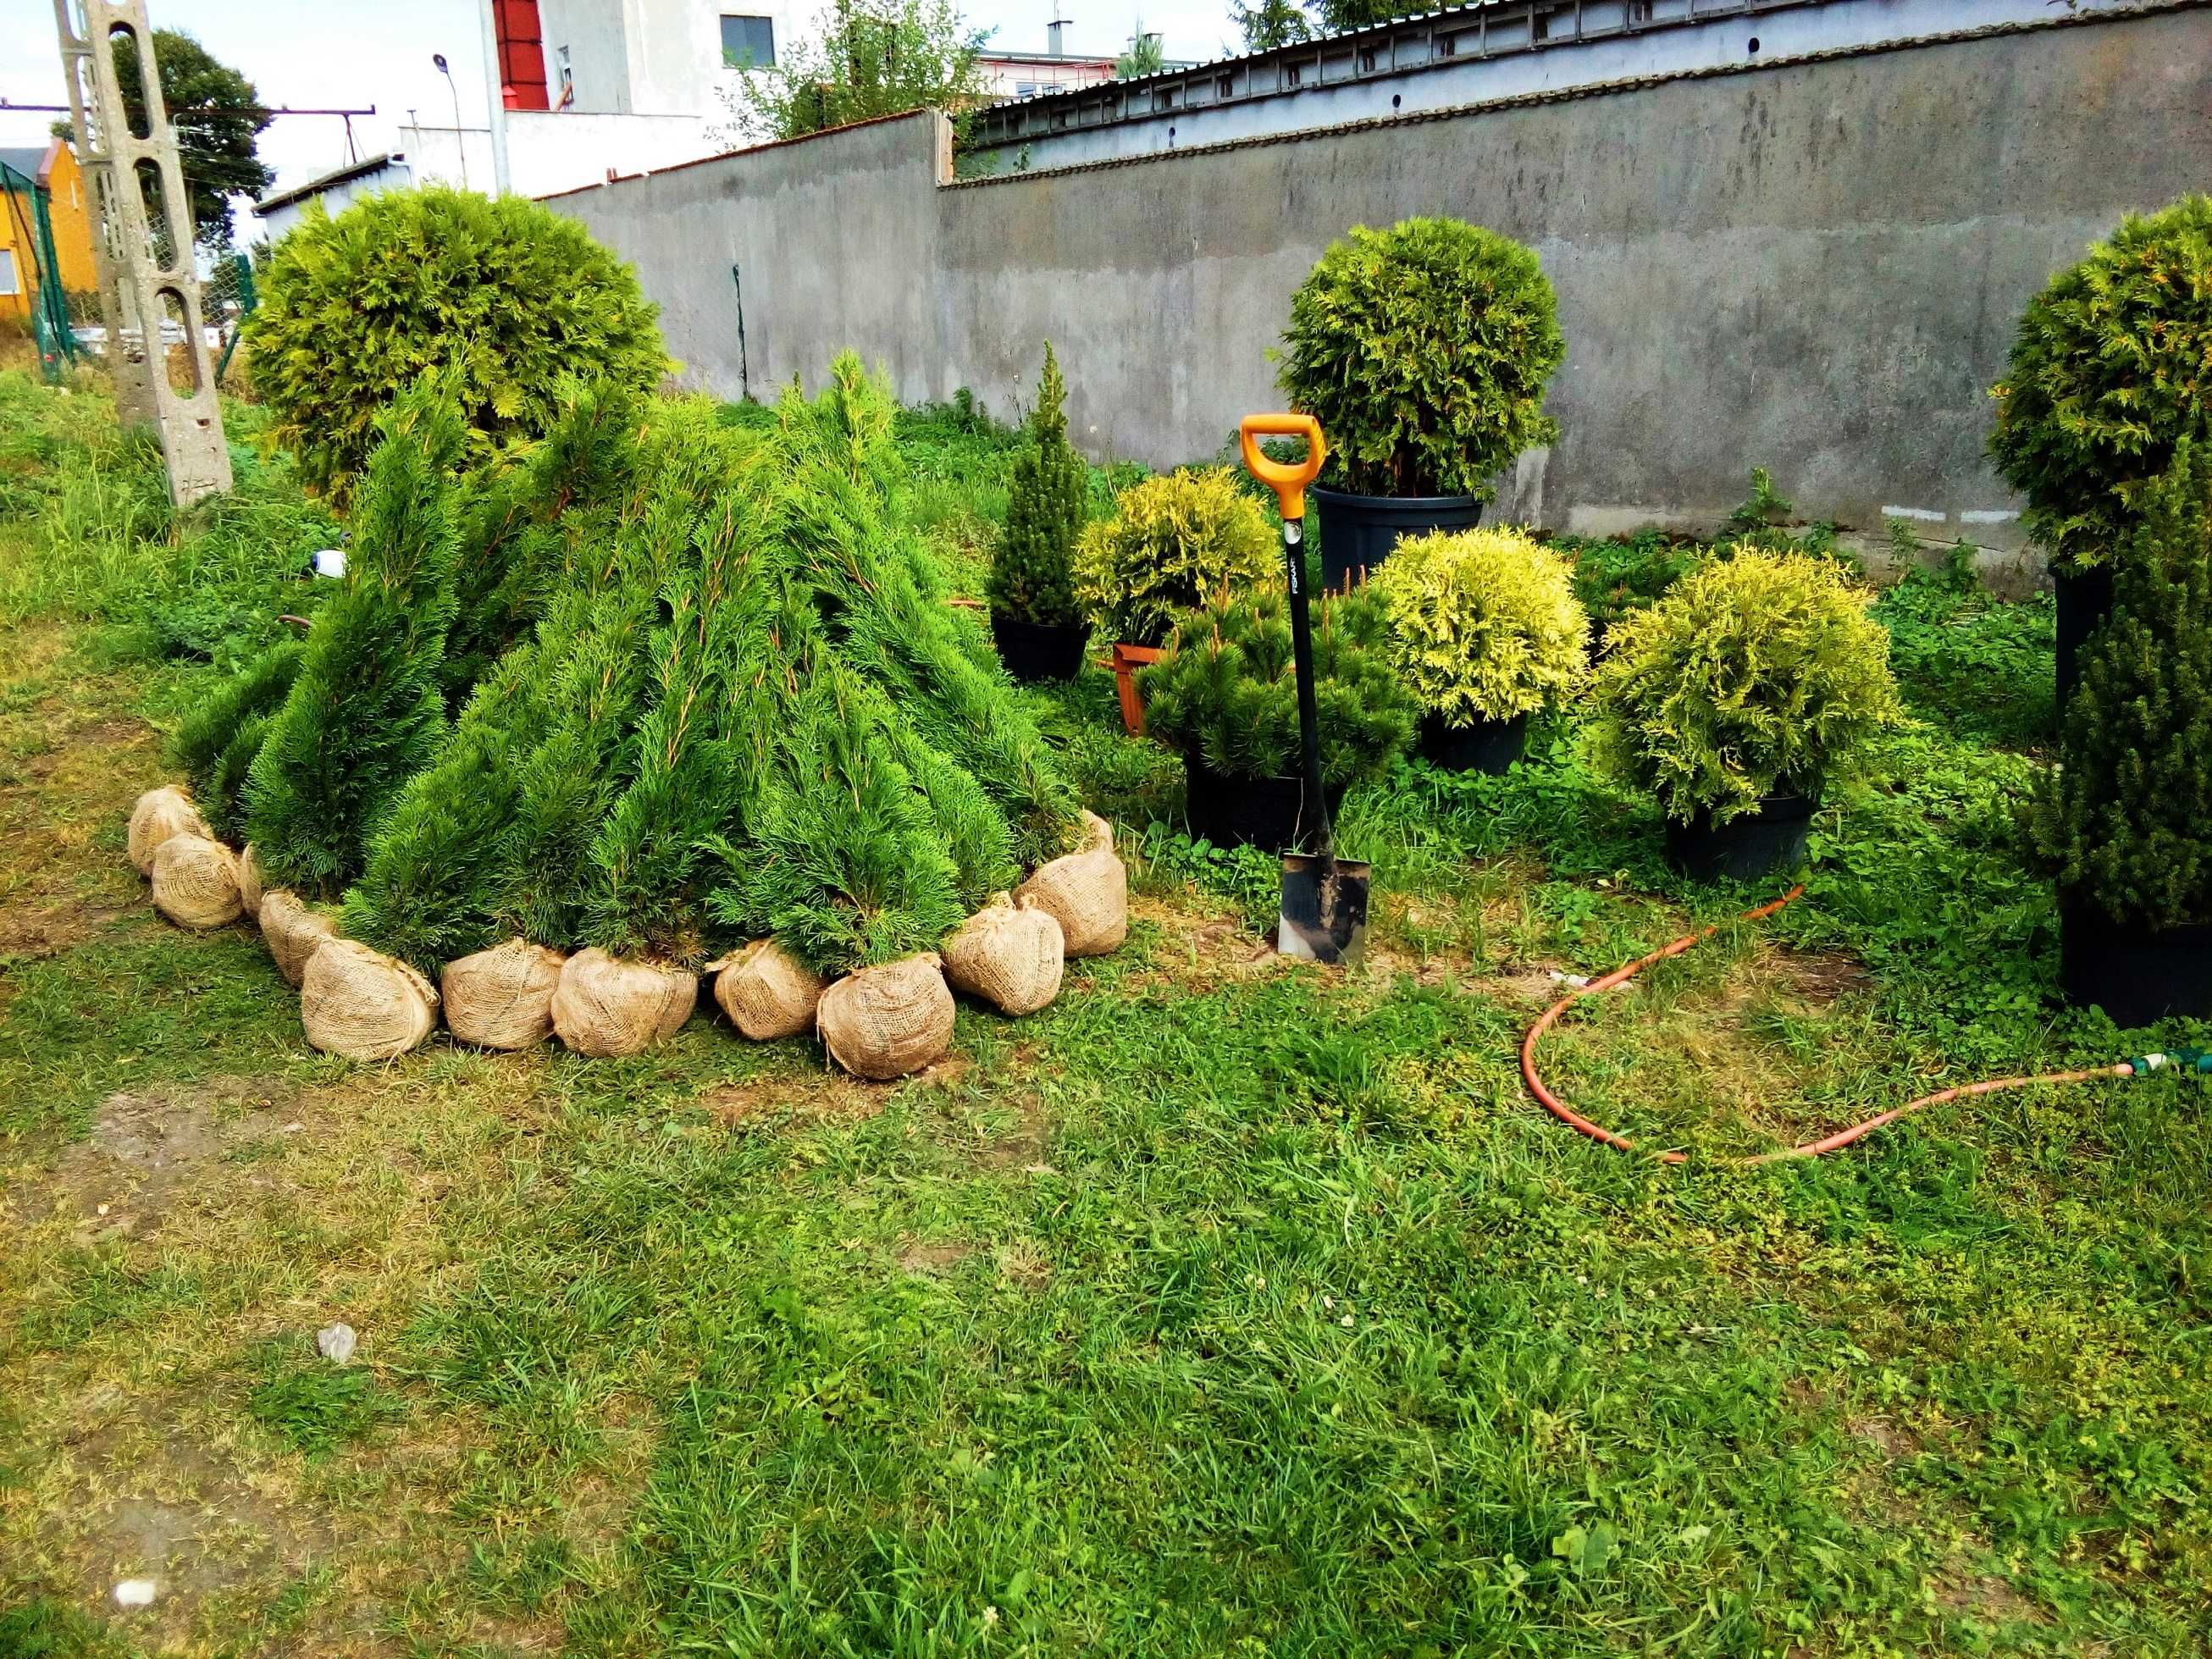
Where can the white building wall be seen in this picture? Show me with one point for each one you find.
(551, 151)
(395, 174)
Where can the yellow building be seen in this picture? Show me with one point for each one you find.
(54, 175)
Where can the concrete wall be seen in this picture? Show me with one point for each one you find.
(1492, 55)
(1815, 266)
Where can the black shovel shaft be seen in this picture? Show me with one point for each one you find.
(1313, 822)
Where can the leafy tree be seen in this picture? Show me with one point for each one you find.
(1031, 577)
(1145, 55)
(1271, 23)
(868, 60)
(217, 115)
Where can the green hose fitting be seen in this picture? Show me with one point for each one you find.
(2180, 1060)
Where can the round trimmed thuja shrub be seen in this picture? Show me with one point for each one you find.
(1423, 351)
(1173, 543)
(1484, 623)
(2113, 368)
(505, 296)
(1758, 674)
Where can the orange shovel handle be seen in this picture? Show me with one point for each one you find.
(1287, 480)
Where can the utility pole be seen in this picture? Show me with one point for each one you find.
(158, 276)
(134, 397)
(495, 100)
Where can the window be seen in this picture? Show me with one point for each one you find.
(749, 40)
(1290, 75)
(1025, 88)
(8, 283)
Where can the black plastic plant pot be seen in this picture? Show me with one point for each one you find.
(2137, 973)
(1039, 651)
(2085, 600)
(1245, 811)
(1486, 746)
(1358, 532)
(1769, 839)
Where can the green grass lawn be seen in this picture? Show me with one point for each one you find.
(1226, 1307)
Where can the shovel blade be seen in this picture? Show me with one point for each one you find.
(1324, 916)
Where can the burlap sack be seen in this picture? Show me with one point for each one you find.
(502, 998)
(883, 1022)
(607, 1005)
(1010, 954)
(293, 933)
(1087, 893)
(362, 1005)
(249, 883)
(767, 991)
(160, 814)
(196, 882)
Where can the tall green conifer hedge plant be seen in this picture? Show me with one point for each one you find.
(364, 711)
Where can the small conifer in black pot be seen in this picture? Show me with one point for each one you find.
(2124, 821)
(1035, 620)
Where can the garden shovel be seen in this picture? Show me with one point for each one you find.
(1324, 916)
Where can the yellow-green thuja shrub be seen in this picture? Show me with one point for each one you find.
(1173, 544)
(1758, 674)
(1484, 623)
(504, 298)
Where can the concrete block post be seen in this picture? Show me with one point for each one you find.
(156, 277)
(134, 397)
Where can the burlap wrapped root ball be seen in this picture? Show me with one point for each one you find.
(293, 933)
(767, 991)
(606, 1005)
(883, 1022)
(1087, 893)
(1010, 953)
(362, 1005)
(502, 998)
(196, 882)
(160, 814)
(250, 890)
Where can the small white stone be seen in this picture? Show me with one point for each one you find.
(134, 1593)
(336, 1342)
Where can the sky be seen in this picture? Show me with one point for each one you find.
(353, 53)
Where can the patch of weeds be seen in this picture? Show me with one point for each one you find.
(1248, 876)
(47, 1627)
(1982, 668)
(314, 1407)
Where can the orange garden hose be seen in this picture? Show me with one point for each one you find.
(1842, 1138)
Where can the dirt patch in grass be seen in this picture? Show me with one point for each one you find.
(149, 1503)
(146, 1150)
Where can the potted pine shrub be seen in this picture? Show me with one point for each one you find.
(1423, 351)
(1225, 698)
(1737, 699)
(1172, 543)
(2124, 821)
(1485, 631)
(2105, 377)
(1035, 620)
